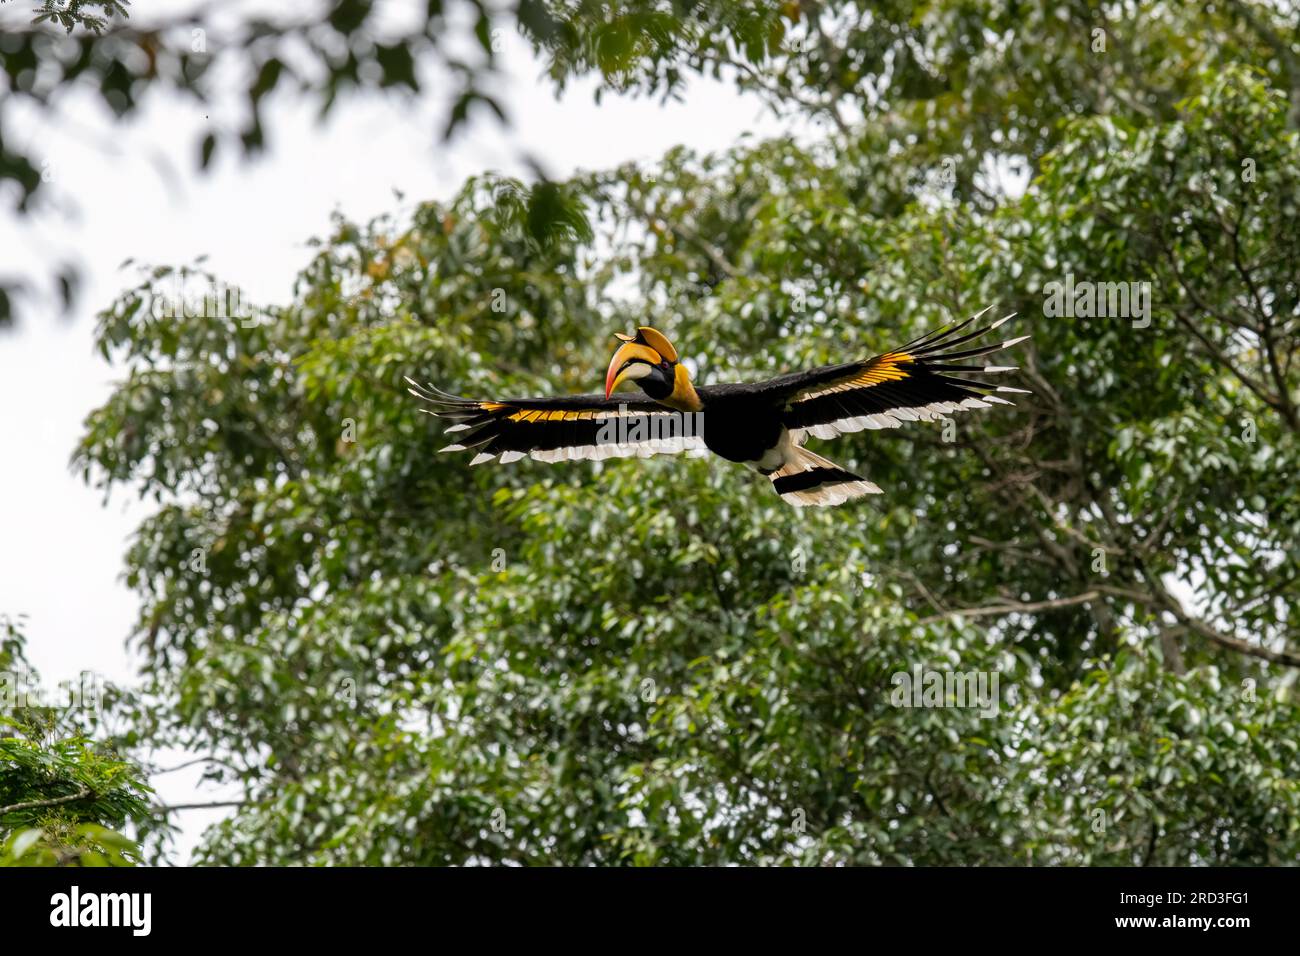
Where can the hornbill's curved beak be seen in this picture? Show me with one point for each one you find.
(625, 359)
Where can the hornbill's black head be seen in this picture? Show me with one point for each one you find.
(649, 360)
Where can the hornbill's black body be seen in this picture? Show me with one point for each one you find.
(762, 424)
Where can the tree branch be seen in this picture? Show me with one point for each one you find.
(199, 806)
(1161, 598)
(689, 236)
(1201, 629)
(195, 762)
(82, 794)
(1013, 607)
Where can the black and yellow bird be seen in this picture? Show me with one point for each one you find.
(761, 424)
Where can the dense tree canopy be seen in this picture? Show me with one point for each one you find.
(402, 660)
(61, 787)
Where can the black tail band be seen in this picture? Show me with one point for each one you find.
(813, 478)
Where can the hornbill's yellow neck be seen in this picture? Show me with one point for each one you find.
(683, 397)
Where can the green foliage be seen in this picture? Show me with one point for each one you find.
(351, 49)
(949, 82)
(70, 14)
(978, 76)
(60, 789)
(403, 660)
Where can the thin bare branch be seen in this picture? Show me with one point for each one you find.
(81, 794)
(1013, 607)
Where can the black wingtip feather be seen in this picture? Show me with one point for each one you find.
(932, 339)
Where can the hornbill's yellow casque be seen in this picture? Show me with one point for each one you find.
(763, 424)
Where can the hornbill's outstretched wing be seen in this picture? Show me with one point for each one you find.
(566, 427)
(919, 381)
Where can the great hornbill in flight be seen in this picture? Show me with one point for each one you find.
(762, 424)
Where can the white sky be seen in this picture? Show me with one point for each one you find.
(60, 549)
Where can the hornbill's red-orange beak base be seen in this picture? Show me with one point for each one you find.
(761, 424)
